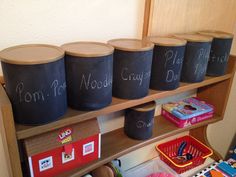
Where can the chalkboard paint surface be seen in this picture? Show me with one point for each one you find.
(31, 54)
(139, 123)
(132, 69)
(89, 82)
(196, 57)
(89, 72)
(220, 51)
(37, 92)
(167, 62)
(88, 49)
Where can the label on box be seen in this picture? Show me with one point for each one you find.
(65, 135)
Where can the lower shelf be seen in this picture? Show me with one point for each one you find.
(116, 143)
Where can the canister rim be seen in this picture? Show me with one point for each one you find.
(30, 54)
(217, 34)
(167, 41)
(87, 49)
(131, 44)
(193, 37)
(145, 107)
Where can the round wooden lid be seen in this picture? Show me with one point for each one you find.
(31, 54)
(194, 37)
(217, 34)
(88, 49)
(167, 41)
(131, 44)
(145, 107)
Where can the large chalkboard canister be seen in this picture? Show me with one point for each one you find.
(220, 50)
(89, 69)
(132, 67)
(35, 82)
(167, 62)
(196, 57)
(139, 121)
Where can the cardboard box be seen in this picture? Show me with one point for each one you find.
(61, 150)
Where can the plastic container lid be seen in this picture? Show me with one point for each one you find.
(167, 41)
(31, 54)
(194, 37)
(145, 107)
(88, 49)
(131, 44)
(217, 34)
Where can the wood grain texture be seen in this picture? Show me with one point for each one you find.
(185, 16)
(218, 93)
(8, 133)
(116, 143)
(146, 19)
(73, 116)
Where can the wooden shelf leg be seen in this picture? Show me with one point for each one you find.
(201, 134)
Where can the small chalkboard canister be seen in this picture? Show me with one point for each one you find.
(139, 121)
(132, 67)
(34, 75)
(196, 57)
(167, 62)
(89, 69)
(220, 50)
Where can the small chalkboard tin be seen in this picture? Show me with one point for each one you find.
(132, 67)
(167, 62)
(220, 51)
(35, 82)
(89, 70)
(139, 121)
(196, 57)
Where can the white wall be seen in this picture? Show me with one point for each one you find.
(61, 21)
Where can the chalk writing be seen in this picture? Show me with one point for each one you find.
(142, 124)
(172, 58)
(126, 75)
(88, 82)
(28, 96)
(218, 58)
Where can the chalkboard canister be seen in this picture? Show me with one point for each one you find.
(35, 82)
(132, 67)
(196, 57)
(139, 121)
(220, 50)
(167, 62)
(89, 69)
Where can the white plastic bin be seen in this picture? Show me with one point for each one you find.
(149, 167)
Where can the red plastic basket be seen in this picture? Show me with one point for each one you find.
(168, 151)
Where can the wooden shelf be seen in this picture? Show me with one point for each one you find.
(116, 143)
(74, 116)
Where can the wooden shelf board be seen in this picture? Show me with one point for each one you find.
(116, 143)
(74, 116)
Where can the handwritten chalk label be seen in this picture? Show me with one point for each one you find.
(126, 75)
(142, 124)
(218, 58)
(171, 58)
(88, 82)
(28, 96)
(201, 58)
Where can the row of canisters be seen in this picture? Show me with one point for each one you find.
(41, 79)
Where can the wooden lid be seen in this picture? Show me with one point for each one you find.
(167, 41)
(217, 34)
(88, 49)
(131, 44)
(194, 37)
(31, 54)
(145, 107)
